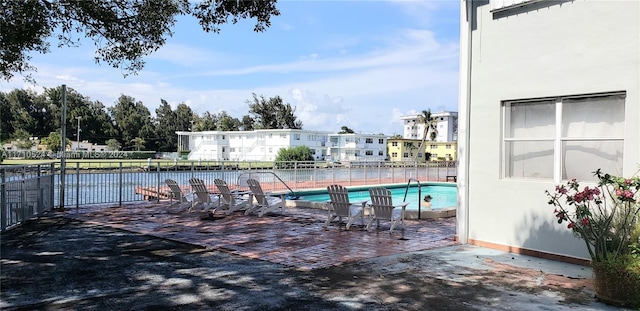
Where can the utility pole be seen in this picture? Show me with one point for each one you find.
(63, 158)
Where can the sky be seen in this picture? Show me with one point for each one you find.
(360, 64)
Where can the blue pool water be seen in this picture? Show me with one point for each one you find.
(442, 196)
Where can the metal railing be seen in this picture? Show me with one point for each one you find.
(25, 191)
(419, 193)
(31, 189)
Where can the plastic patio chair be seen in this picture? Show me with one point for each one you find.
(339, 206)
(182, 199)
(232, 200)
(265, 203)
(383, 208)
(202, 196)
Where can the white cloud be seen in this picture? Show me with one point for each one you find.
(405, 70)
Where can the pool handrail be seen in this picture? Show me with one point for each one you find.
(419, 194)
(292, 194)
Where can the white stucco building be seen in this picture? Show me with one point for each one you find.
(263, 145)
(447, 126)
(549, 91)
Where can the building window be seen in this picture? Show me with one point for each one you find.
(368, 141)
(222, 149)
(380, 141)
(405, 155)
(296, 136)
(433, 146)
(394, 154)
(419, 154)
(563, 138)
(368, 152)
(394, 143)
(283, 135)
(232, 149)
(380, 153)
(448, 146)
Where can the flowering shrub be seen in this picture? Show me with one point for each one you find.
(604, 216)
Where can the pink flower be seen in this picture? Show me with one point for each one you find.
(585, 222)
(570, 225)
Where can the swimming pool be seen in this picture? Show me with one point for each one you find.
(443, 196)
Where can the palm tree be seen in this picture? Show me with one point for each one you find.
(346, 130)
(138, 143)
(430, 127)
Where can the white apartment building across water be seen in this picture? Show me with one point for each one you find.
(447, 126)
(263, 145)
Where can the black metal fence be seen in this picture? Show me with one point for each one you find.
(28, 190)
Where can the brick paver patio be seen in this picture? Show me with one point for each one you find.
(297, 239)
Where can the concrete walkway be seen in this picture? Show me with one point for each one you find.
(141, 257)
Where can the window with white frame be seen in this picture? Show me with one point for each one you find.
(368, 141)
(394, 154)
(563, 138)
(394, 143)
(296, 136)
(405, 155)
(381, 141)
(368, 152)
(380, 153)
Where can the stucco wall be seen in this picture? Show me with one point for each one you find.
(565, 48)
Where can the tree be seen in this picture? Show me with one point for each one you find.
(54, 141)
(272, 113)
(23, 139)
(430, 126)
(113, 144)
(184, 116)
(345, 130)
(19, 112)
(123, 31)
(247, 123)
(97, 125)
(206, 122)
(227, 123)
(132, 120)
(165, 127)
(138, 143)
(299, 153)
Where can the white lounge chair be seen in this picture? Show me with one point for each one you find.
(383, 208)
(202, 196)
(232, 200)
(182, 199)
(339, 206)
(265, 203)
